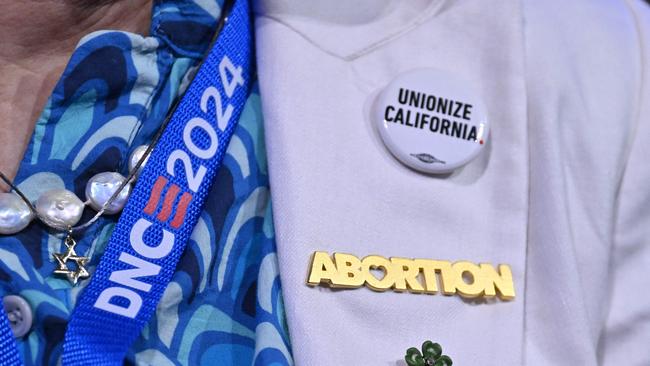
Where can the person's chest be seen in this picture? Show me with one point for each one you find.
(534, 198)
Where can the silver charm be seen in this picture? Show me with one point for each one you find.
(100, 189)
(136, 155)
(15, 215)
(59, 208)
(70, 255)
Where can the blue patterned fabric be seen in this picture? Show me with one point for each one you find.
(224, 304)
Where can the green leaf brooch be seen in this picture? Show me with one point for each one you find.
(431, 355)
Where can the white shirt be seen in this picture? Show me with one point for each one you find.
(561, 193)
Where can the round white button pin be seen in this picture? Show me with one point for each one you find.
(431, 121)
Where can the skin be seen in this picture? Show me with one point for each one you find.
(37, 38)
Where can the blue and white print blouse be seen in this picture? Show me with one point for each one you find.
(224, 304)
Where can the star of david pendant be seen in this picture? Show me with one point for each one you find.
(70, 255)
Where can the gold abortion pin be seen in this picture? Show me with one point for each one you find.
(467, 279)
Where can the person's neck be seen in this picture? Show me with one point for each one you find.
(36, 40)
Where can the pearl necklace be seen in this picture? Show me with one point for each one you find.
(61, 209)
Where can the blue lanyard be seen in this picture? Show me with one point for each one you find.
(8, 351)
(157, 222)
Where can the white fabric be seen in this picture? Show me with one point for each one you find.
(561, 192)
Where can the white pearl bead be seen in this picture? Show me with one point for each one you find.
(136, 155)
(100, 189)
(59, 208)
(15, 215)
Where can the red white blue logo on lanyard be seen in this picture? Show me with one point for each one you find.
(158, 220)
